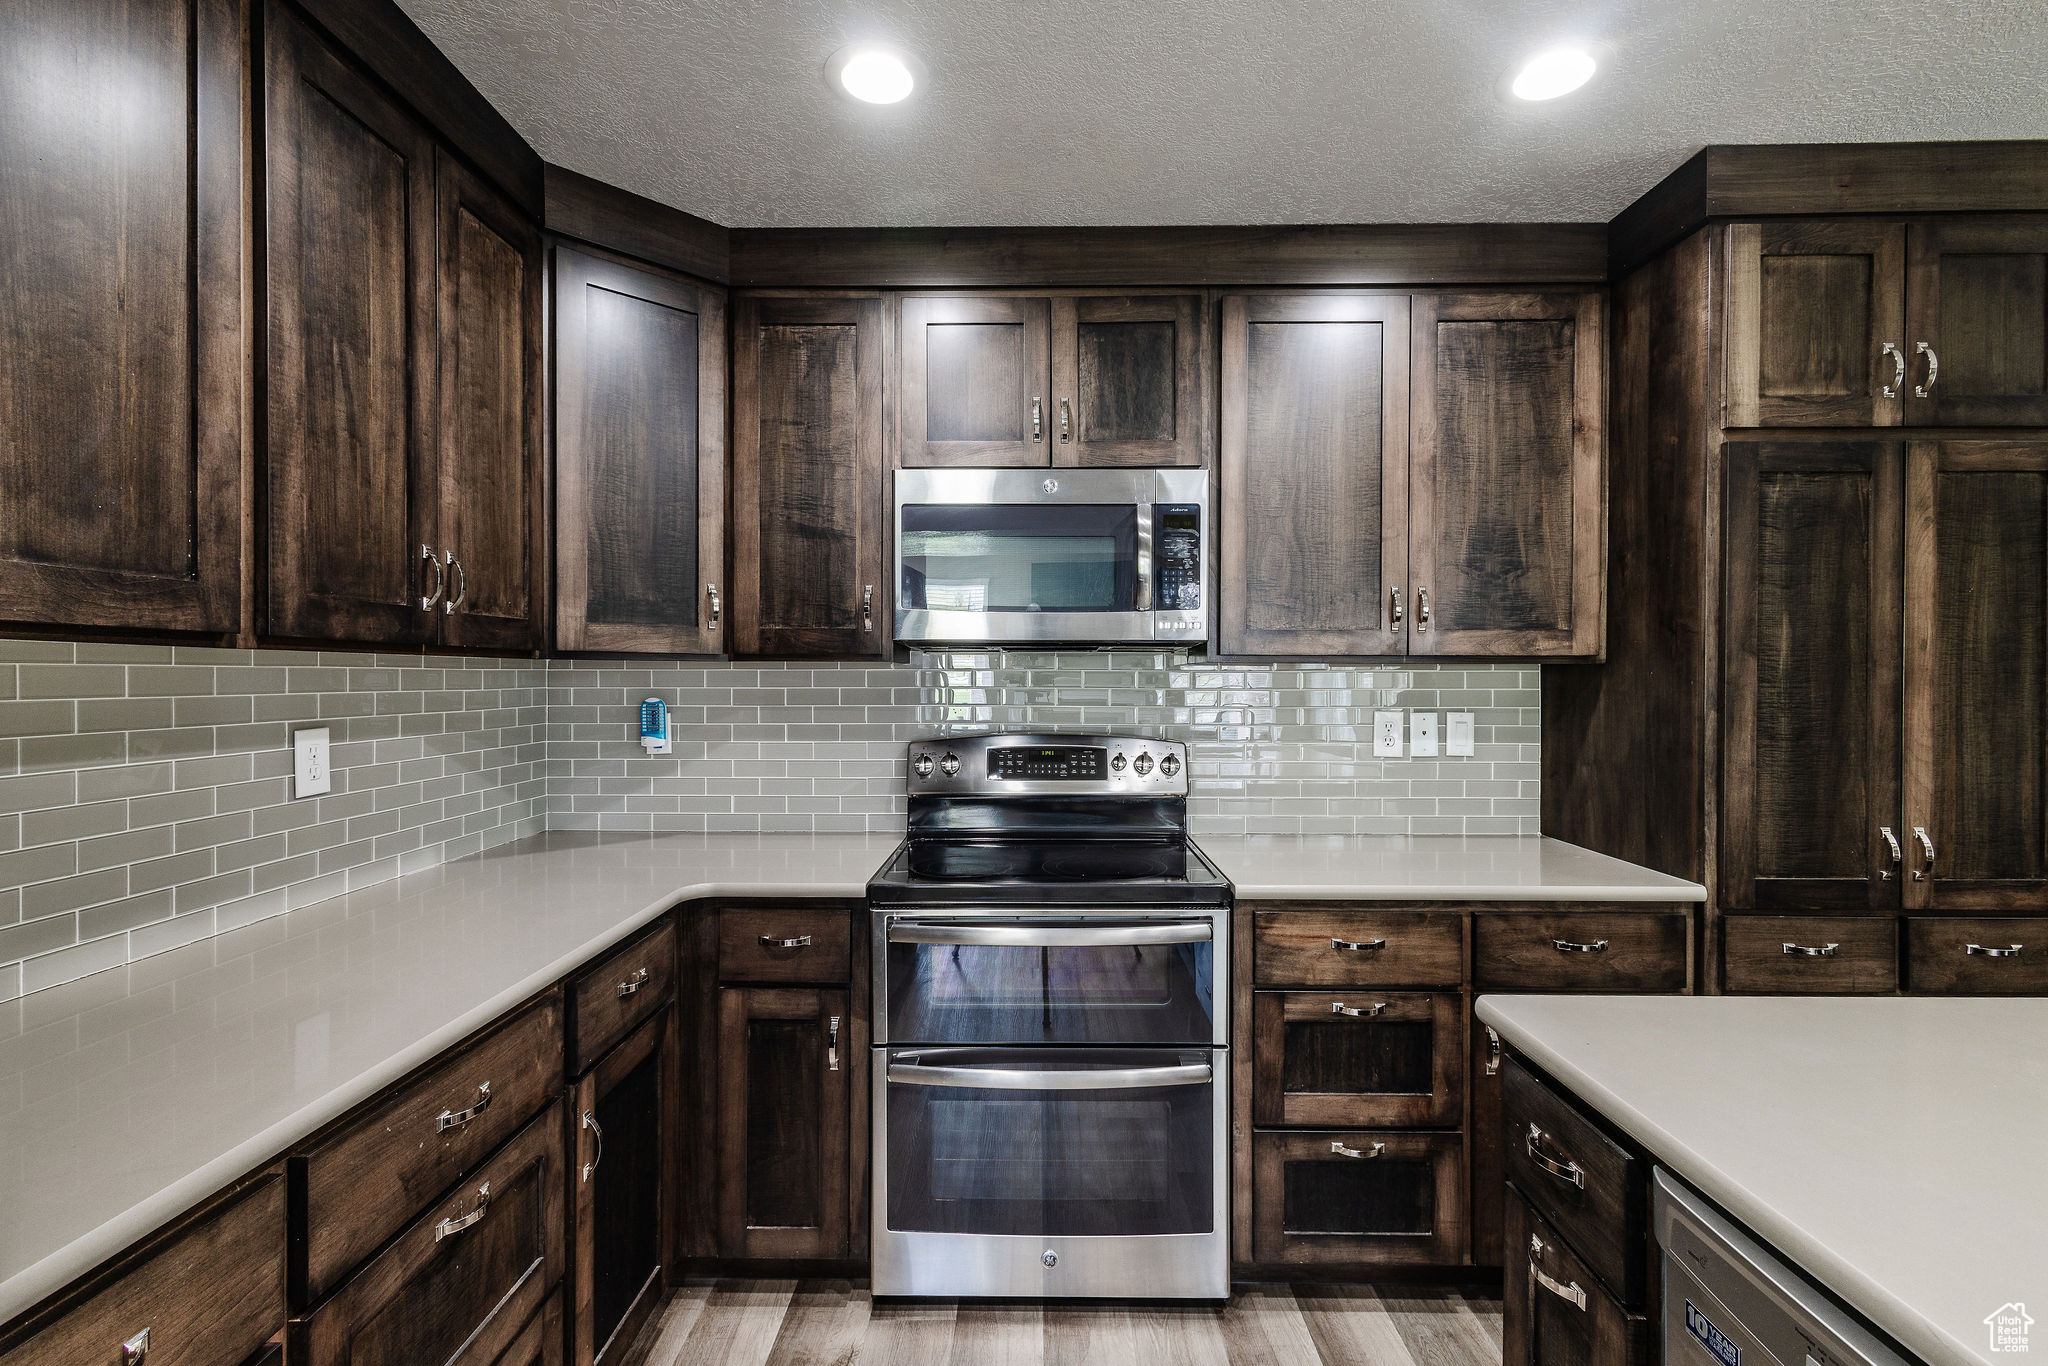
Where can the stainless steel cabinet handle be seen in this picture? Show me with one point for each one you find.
(867, 607)
(427, 600)
(1898, 370)
(717, 609)
(590, 1123)
(1037, 419)
(1926, 853)
(1422, 609)
(461, 593)
(1806, 951)
(2010, 951)
(1051, 936)
(135, 1350)
(1898, 855)
(635, 982)
(1933, 370)
(1562, 1168)
(1568, 1292)
(1026, 1079)
(769, 941)
(1374, 1151)
(832, 1045)
(1492, 1052)
(451, 1119)
(1066, 422)
(1358, 1012)
(1394, 617)
(1358, 945)
(1569, 946)
(456, 1225)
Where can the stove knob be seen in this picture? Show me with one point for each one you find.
(1117, 765)
(1169, 766)
(1143, 764)
(950, 765)
(923, 765)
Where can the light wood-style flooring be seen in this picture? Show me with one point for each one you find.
(834, 1323)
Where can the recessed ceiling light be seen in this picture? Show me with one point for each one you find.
(1547, 75)
(872, 73)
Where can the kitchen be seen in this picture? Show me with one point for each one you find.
(1430, 758)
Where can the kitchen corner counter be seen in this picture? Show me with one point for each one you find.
(1432, 868)
(1891, 1147)
(129, 1096)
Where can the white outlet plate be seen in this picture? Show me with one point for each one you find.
(1422, 734)
(1458, 734)
(310, 773)
(1386, 734)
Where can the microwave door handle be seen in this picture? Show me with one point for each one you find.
(1025, 1079)
(1143, 596)
(1051, 936)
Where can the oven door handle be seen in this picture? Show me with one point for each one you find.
(1025, 1079)
(1052, 936)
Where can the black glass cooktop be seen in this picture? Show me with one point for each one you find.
(1041, 868)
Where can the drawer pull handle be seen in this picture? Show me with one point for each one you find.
(1569, 1292)
(1374, 1151)
(1358, 945)
(1810, 951)
(453, 1119)
(135, 1350)
(1569, 946)
(590, 1123)
(1563, 1168)
(832, 1045)
(1986, 951)
(1492, 1052)
(635, 982)
(461, 1222)
(769, 941)
(1358, 1012)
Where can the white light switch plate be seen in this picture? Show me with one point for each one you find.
(1386, 734)
(1422, 734)
(310, 774)
(1458, 734)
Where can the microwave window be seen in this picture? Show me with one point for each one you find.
(1018, 559)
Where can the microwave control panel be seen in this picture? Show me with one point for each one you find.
(1177, 555)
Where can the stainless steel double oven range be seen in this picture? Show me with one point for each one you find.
(1050, 985)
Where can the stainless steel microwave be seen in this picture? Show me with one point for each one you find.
(1082, 556)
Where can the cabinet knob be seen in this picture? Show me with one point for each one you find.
(427, 600)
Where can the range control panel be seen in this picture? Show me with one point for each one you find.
(995, 765)
(1071, 762)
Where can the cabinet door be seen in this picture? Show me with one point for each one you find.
(1810, 690)
(1315, 474)
(639, 459)
(1127, 381)
(1554, 1312)
(809, 557)
(1816, 323)
(783, 1064)
(1506, 491)
(1977, 676)
(1358, 1060)
(352, 352)
(1977, 314)
(617, 1195)
(491, 491)
(120, 315)
(1489, 1153)
(1358, 1198)
(975, 377)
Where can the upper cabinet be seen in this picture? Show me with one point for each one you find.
(1008, 380)
(120, 400)
(1413, 476)
(1860, 322)
(639, 458)
(809, 549)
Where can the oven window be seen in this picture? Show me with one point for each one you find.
(1019, 558)
(1068, 1162)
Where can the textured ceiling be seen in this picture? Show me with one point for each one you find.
(1225, 111)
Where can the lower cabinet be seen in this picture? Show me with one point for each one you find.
(540, 1342)
(1977, 957)
(1809, 955)
(1364, 1059)
(1554, 1313)
(618, 1196)
(785, 1059)
(1359, 1198)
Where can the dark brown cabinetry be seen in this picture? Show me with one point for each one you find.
(121, 315)
(1367, 1059)
(639, 458)
(1971, 957)
(619, 1193)
(1371, 1198)
(1810, 955)
(809, 483)
(785, 1059)
(1554, 1312)
(1977, 301)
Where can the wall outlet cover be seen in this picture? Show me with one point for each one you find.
(310, 774)
(1458, 734)
(1422, 734)
(1386, 734)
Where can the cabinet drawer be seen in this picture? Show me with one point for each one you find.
(794, 944)
(540, 1342)
(2002, 957)
(461, 1281)
(606, 1001)
(1554, 1312)
(1351, 1197)
(1364, 948)
(211, 1296)
(382, 1166)
(1590, 1188)
(1363, 1060)
(1810, 955)
(1581, 951)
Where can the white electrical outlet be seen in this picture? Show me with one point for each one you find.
(1386, 734)
(1458, 734)
(310, 774)
(1422, 734)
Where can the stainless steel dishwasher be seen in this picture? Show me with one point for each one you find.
(1729, 1302)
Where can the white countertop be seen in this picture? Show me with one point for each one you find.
(1895, 1148)
(129, 1096)
(1433, 868)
